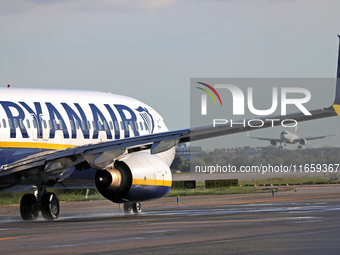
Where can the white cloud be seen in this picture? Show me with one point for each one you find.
(22, 6)
(28, 63)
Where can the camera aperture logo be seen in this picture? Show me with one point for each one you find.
(301, 96)
(204, 97)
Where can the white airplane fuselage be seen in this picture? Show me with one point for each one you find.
(37, 120)
(289, 137)
(37, 116)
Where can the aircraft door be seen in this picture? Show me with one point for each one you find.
(46, 127)
(35, 128)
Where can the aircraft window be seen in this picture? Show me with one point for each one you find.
(77, 124)
(50, 124)
(111, 125)
(72, 125)
(136, 125)
(141, 125)
(21, 124)
(15, 121)
(88, 125)
(94, 125)
(106, 126)
(44, 124)
(116, 125)
(34, 123)
(126, 125)
(61, 124)
(83, 125)
(131, 125)
(100, 126)
(28, 124)
(10, 123)
(55, 124)
(122, 125)
(146, 126)
(4, 123)
(0, 125)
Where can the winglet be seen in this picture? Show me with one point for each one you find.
(336, 104)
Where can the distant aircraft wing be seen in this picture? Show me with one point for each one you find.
(266, 139)
(316, 137)
(101, 154)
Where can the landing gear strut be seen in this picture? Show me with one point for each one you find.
(130, 208)
(46, 202)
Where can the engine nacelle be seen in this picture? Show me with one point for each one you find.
(273, 142)
(303, 141)
(137, 177)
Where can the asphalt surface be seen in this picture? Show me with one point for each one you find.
(302, 221)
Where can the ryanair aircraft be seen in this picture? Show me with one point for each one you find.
(50, 136)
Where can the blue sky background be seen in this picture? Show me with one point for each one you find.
(150, 49)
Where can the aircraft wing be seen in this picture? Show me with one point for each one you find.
(266, 139)
(316, 137)
(101, 154)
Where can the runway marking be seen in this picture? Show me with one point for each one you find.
(310, 233)
(262, 201)
(308, 221)
(99, 242)
(232, 221)
(10, 238)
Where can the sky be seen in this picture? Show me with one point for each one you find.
(150, 49)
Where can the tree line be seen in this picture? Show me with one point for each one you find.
(250, 157)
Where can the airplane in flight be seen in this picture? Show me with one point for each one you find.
(287, 137)
(50, 137)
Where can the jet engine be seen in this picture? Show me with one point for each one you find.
(303, 141)
(273, 142)
(136, 177)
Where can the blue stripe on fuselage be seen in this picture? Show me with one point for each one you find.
(10, 155)
(146, 192)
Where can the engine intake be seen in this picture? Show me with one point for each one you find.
(138, 177)
(303, 141)
(110, 179)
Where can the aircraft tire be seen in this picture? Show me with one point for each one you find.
(50, 206)
(29, 207)
(128, 208)
(137, 207)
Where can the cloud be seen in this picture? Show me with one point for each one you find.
(29, 63)
(23, 6)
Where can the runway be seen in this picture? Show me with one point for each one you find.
(305, 221)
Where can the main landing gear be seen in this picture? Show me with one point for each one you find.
(46, 202)
(130, 208)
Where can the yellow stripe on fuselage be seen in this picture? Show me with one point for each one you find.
(51, 146)
(337, 109)
(34, 145)
(151, 182)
